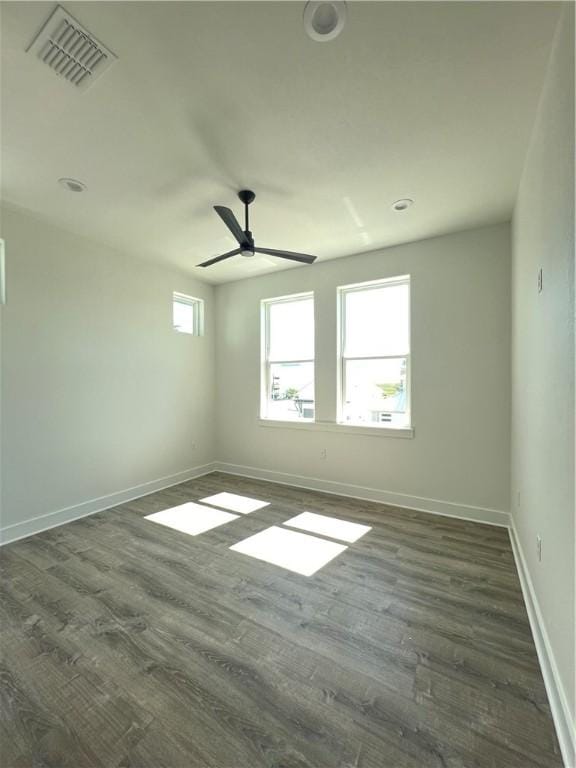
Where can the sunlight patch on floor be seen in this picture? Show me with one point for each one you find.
(191, 518)
(332, 527)
(294, 551)
(236, 503)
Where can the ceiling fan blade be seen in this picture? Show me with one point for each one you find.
(231, 222)
(304, 258)
(219, 258)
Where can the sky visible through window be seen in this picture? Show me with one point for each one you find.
(187, 314)
(183, 317)
(377, 322)
(292, 330)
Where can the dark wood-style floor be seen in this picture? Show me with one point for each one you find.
(126, 644)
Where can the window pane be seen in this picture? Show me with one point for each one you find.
(377, 322)
(375, 392)
(291, 329)
(290, 391)
(188, 314)
(183, 317)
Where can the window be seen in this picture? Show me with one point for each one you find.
(288, 358)
(375, 353)
(188, 314)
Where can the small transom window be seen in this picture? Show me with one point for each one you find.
(188, 314)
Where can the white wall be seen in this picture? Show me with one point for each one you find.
(543, 357)
(99, 394)
(460, 376)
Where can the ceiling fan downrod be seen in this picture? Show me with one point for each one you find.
(247, 196)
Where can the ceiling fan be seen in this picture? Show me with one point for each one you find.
(245, 239)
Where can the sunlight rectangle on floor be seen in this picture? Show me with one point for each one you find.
(328, 526)
(236, 503)
(294, 551)
(191, 518)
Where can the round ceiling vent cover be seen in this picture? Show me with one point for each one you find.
(403, 204)
(72, 185)
(324, 21)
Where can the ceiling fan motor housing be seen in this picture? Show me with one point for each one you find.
(248, 248)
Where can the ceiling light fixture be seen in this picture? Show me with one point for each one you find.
(72, 185)
(324, 21)
(402, 205)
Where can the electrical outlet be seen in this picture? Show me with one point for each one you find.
(323, 453)
(540, 280)
(539, 548)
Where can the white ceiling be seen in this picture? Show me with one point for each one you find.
(433, 101)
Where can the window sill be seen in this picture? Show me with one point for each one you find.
(348, 429)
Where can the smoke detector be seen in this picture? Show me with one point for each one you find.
(70, 51)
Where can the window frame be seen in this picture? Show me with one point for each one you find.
(197, 313)
(342, 292)
(266, 363)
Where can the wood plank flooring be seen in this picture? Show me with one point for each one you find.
(126, 644)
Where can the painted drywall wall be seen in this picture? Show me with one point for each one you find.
(543, 356)
(99, 393)
(460, 322)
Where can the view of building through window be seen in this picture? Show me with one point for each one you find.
(375, 353)
(288, 385)
(374, 361)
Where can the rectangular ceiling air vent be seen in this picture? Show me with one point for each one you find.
(70, 50)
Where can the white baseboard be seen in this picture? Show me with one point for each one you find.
(41, 523)
(557, 698)
(66, 515)
(419, 503)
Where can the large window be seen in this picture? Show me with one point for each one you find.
(288, 358)
(375, 353)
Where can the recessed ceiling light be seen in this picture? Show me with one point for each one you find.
(402, 205)
(324, 21)
(72, 185)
